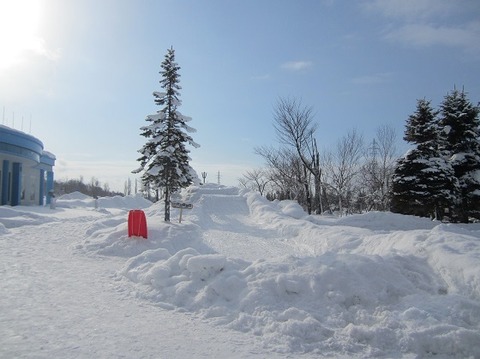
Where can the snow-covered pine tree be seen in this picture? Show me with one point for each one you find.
(460, 136)
(165, 159)
(421, 127)
(423, 183)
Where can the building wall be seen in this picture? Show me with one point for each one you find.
(26, 170)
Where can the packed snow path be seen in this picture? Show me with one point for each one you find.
(57, 303)
(230, 229)
(239, 277)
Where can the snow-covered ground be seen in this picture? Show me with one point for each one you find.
(240, 277)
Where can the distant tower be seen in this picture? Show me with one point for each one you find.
(218, 177)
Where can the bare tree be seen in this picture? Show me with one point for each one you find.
(317, 176)
(284, 171)
(256, 179)
(295, 128)
(343, 165)
(128, 187)
(387, 143)
(378, 168)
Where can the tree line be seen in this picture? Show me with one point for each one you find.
(94, 188)
(357, 176)
(439, 177)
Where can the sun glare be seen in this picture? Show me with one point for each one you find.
(19, 24)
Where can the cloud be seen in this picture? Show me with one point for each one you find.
(297, 65)
(424, 23)
(465, 37)
(39, 47)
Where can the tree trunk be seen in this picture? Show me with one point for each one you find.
(167, 203)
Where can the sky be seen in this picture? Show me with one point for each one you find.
(79, 74)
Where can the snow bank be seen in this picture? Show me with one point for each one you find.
(12, 217)
(77, 199)
(373, 285)
(74, 196)
(292, 209)
(3, 229)
(126, 202)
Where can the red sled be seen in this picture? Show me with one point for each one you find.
(137, 223)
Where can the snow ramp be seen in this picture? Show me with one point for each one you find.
(230, 226)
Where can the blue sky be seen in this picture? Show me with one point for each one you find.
(79, 74)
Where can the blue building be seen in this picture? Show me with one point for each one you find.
(26, 170)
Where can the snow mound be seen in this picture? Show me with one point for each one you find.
(386, 221)
(292, 209)
(308, 304)
(12, 217)
(193, 193)
(77, 199)
(127, 202)
(351, 285)
(3, 229)
(74, 196)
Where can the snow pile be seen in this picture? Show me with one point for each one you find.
(281, 282)
(126, 202)
(372, 285)
(77, 199)
(3, 229)
(74, 196)
(292, 209)
(12, 217)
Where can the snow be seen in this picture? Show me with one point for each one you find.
(157, 117)
(240, 277)
(159, 94)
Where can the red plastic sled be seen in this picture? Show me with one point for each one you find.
(137, 223)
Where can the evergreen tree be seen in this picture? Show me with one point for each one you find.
(165, 159)
(421, 127)
(460, 137)
(423, 183)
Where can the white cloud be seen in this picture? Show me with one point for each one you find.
(424, 23)
(465, 37)
(297, 65)
(39, 47)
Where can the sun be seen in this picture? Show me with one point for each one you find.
(19, 26)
